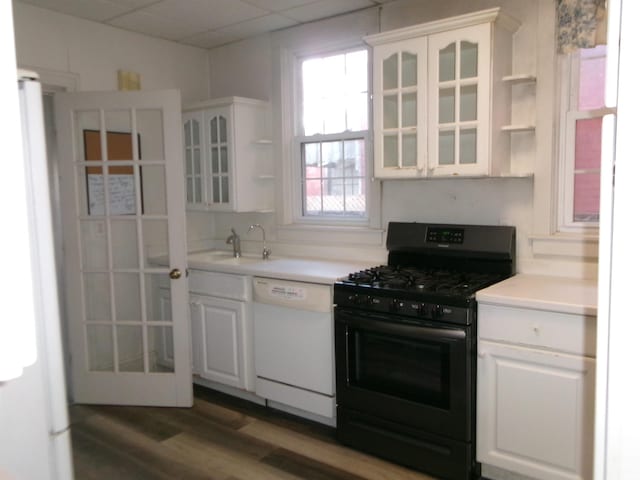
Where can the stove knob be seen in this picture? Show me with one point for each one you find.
(436, 312)
(395, 305)
(355, 299)
(422, 309)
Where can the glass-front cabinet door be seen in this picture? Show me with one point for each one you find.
(400, 108)
(218, 144)
(193, 159)
(459, 112)
(208, 153)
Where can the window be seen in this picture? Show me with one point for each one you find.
(332, 136)
(584, 107)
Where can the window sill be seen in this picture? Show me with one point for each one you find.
(565, 245)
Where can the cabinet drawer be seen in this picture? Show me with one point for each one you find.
(216, 284)
(556, 331)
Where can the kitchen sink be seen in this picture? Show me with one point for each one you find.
(225, 257)
(240, 260)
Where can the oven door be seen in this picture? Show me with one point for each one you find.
(418, 375)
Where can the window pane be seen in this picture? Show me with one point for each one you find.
(592, 78)
(313, 197)
(588, 141)
(354, 158)
(334, 101)
(357, 112)
(586, 197)
(333, 180)
(335, 93)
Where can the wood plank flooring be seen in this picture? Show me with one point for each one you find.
(220, 438)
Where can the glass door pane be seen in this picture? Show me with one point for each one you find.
(193, 161)
(409, 70)
(390, 111)
(458, 103)
(219, 159)
(390, 72)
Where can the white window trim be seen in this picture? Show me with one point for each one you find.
(569, 114)
(298, 215)
(291, 206)
(546, 241)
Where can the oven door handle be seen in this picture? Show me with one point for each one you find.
(418, 332)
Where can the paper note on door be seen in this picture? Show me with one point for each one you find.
(122, 194)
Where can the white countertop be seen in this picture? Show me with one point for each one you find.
(556, 294)
(309, 270)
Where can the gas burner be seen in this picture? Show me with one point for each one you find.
(414, 279)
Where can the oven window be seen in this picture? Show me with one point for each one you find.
(401, 367)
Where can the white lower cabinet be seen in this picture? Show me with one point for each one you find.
(535, 408)
(221, 333)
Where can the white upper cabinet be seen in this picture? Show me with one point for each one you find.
(400, 107)
(228, 164)
(439, 102)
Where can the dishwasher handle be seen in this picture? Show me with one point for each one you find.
(295, 295)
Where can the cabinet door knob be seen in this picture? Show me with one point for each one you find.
(175, 274)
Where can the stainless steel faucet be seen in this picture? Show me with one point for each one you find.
(234, 239)
(265, 251)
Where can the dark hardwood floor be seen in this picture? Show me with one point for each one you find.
(220, 438)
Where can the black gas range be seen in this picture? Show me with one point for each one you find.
(405, 337)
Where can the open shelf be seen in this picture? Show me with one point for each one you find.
(518, 128)
(518, 79)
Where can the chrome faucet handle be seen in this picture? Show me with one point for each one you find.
(265, 251)
(234, 239)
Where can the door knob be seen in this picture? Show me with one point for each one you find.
(175, 274)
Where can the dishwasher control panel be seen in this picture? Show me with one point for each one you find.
(297, 295)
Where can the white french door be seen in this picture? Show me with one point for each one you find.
(123, 216)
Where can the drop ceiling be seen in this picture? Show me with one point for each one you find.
(203, 23)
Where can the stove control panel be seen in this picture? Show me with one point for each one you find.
(398, 306)
(445, 235)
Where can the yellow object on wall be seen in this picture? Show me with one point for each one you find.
(128, 80)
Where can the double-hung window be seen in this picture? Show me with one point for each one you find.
(331, 139)
(583, 108)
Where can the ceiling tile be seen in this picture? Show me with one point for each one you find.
(98, 10)
(208, 14)
(258, 26)
(210, 39)
(203, 23)
(278, 5)
(142, 22)
(325, 8)
(134, 4)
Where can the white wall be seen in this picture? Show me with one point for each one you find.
(88, 55)
(49, 41)
(242, 69)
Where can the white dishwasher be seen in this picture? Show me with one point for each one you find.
(293, 341)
